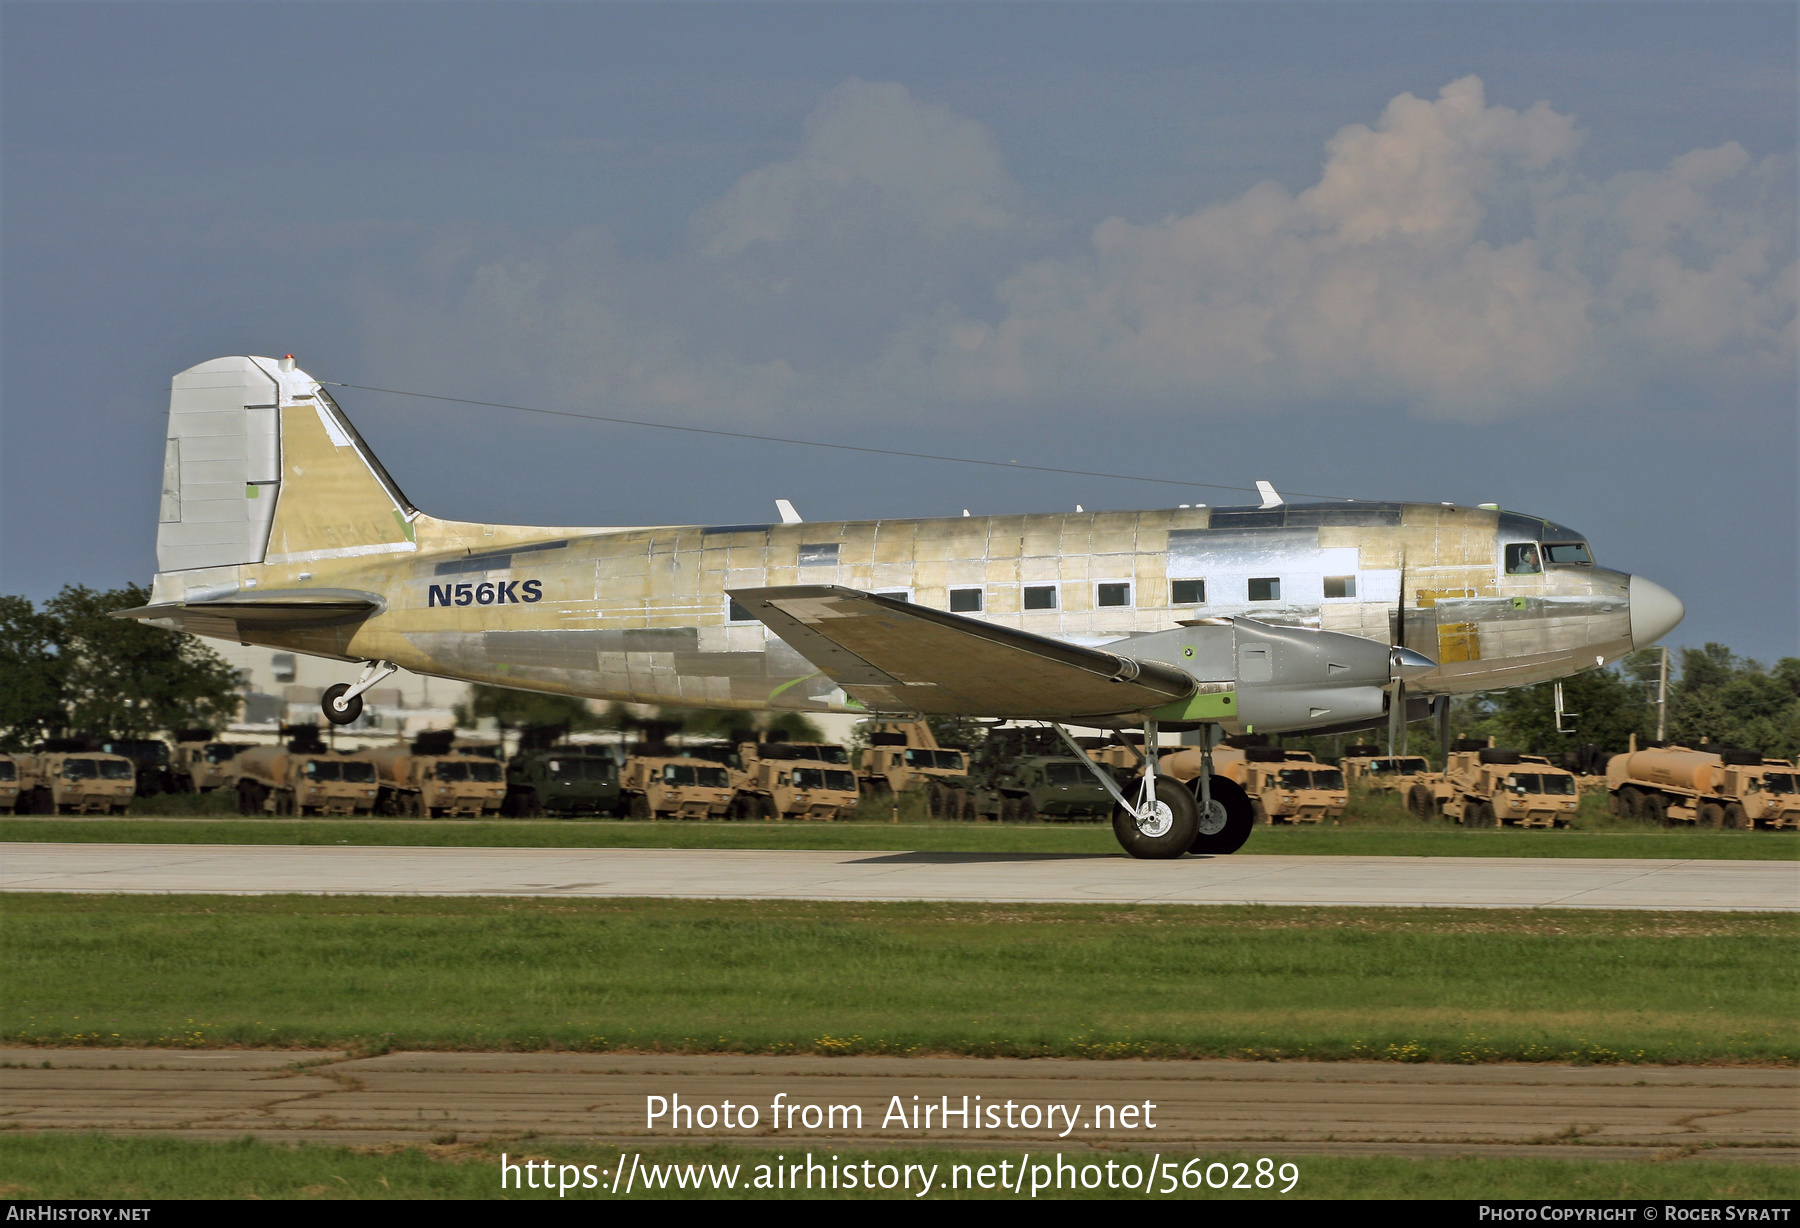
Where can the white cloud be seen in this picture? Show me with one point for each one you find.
(1450, 257)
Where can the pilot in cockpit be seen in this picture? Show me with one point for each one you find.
(1522, 560)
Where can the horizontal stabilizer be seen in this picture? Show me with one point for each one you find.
(296, 609)
(893, 656)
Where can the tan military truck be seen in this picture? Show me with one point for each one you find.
(1284, 786)
(9, 784)
(676, 787)
(1494, 787)
(1707, 787)
(427, 779)
(302, 779)
(201, 764)
(904, 757)
(75, 782)
(1376, 772)
(795, 780)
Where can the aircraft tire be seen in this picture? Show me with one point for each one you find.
(1173, 840)
(351, 711)
(1240, 819)
(1736, 817)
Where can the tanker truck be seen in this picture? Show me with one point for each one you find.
(1722, 787)
(303, 779)
(428, 779)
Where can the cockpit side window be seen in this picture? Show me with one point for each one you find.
(1567, 552)
(1522, 559)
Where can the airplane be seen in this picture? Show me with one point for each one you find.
(280, 527)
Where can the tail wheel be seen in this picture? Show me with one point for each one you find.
(1230, 821)
(340, 716)
(1736, 817)
(1167, 831)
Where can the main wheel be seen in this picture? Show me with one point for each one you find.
(1167, 831)
(340, 716)
(1736, 817)
(1710, 814)
(1229, 822)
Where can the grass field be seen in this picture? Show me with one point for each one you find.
(96, 1166)
(1410, 839)
(374, 974)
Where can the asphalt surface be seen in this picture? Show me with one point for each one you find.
(1289, 1108)
(1463, 882)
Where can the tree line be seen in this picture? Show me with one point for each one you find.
(68, 670)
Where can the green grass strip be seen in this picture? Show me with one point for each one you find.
(374, 974)
(97, 1166)
(1412, 840)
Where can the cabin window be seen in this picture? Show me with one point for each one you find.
(736, 613)
(1265, 588)
(965, 601)
(822, 555)
(1112, 594)
(1340, 586)
(1187, 592)
(283, 665)
(1567, 552)
(1522, 559)
(895, 594)
(1040, 597)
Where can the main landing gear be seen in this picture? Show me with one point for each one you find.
(342, 703)
(1210, 815)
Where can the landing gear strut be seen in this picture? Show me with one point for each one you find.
(342, 703)
(1169, 818)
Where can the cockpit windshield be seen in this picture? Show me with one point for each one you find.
(1522, 559)
(1779, 782)
(1567, 552)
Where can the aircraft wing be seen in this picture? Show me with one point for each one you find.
(300, 609)
(893, 656)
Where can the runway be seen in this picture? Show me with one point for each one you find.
(1274, 1108)
(1452, 882)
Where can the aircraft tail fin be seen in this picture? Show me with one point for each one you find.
(261, 466)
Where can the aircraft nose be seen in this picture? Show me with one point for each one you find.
(1655, 612)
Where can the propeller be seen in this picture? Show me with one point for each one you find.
(1397, 697)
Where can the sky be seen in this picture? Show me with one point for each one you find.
(1534, 254)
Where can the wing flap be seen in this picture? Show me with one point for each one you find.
(894, 656)
(221, 618)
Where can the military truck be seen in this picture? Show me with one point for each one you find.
(9, 784)
(75, 782)
(904, 757)
(429, 780)
(794, 780)
(1705, 786)
(1376, 772)
(1033, 787)
(1284, 786)
(304, 778)
(200, 763)
(669, 786)
(1486, 786)
(563, 781)
(151, 758)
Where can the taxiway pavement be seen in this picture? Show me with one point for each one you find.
(1452, 882)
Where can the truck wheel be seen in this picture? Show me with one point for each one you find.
(1735, 817)
(639, 808)
(531, 805)
(351, 710)
(1167, 832)
(1026, 813)
(1631, 802)
(1655, 809)
(1258, 814)
(1420, 802)
(1710, 814)
(1215, 834)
